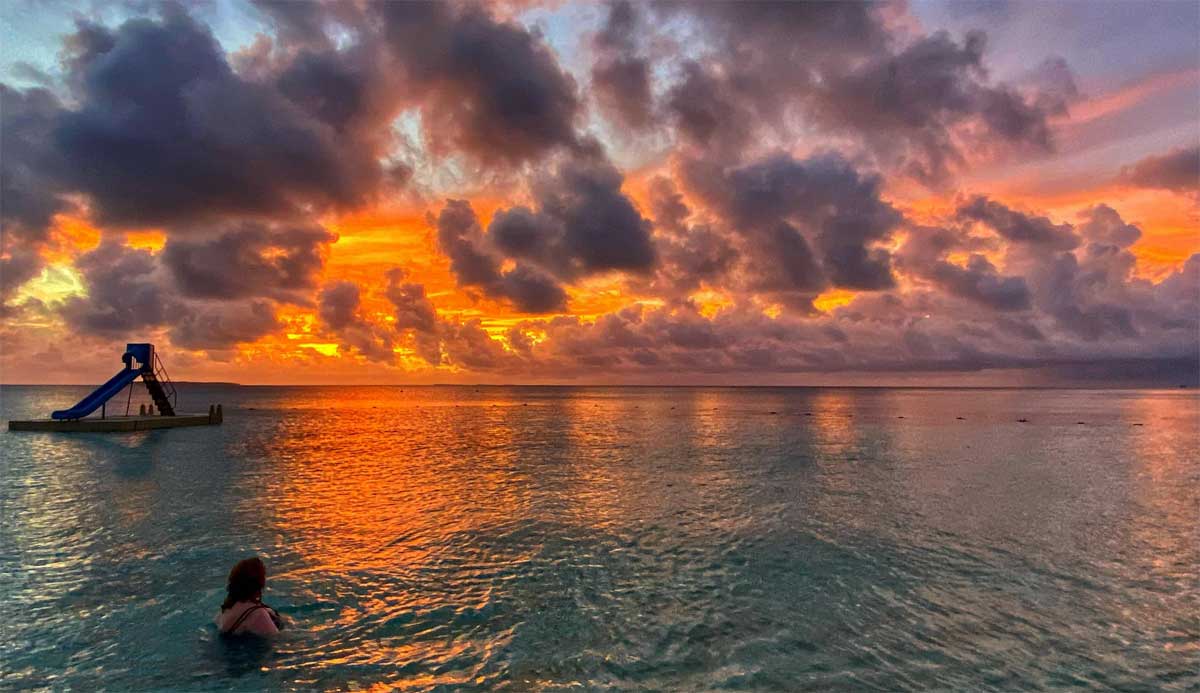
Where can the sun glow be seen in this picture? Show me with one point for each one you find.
(834, 298)
(322, 348)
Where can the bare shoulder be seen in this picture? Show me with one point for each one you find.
(260, 622)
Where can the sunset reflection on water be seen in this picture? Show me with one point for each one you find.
(618, 537)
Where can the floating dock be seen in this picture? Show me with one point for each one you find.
(140, 361)
(112, 424)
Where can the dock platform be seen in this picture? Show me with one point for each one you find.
(112, 424)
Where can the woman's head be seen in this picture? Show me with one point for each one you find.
(246, 582)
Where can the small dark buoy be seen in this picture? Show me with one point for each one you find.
(1022, 420)
(1137, 424)
(1078, 423)
(808, 413)
(772, 412)
(960, 418)
(899, 417)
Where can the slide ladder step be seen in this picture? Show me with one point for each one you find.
(161, 401)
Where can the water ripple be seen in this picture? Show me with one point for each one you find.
(664, 539)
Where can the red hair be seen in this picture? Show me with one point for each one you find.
(246, 582)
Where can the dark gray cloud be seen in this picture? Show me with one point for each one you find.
(161, 130)
(298, 23)
(716, 113)
(979, 281)
(1177, 170)
(520, 232)
(486, 87)
(30, 190)
(623, 87)
(1018, 227)
(877, 332)
(621, 74)
(1102, 224)
(29, 168)
(251, 259)
(217, 326)
(415, 316)
(464, 344)
(125, 292)
(584, 224)
(797, 30)
(413, 310)
(761, 58)
(908, 106)
(1048, 306)
(783, 208)
(129, 295)
(1087, 294)
(338, 307)
(1063, 291)
(600, 228)
(693, 257)
(917, 105)
(1053, 83)
(17, 266)
(476, 264)
(165, 131)
(924, 255)
(461, 239)
(337, 304)
(468, 345)
(533, 291)
(667, 204)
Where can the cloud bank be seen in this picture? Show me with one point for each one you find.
(762, 233)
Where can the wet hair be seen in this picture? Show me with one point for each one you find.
(246, 580)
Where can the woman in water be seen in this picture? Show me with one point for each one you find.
(242, 612)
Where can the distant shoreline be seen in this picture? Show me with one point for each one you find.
(177, 382)
(645, 386)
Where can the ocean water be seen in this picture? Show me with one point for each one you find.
(463, 538)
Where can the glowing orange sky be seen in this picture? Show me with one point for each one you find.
(1094, 146)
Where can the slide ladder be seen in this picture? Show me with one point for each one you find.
(140, 360)
(162, 390)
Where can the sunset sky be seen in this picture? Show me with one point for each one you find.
(571, 192)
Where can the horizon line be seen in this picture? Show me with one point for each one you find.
(1111, 386)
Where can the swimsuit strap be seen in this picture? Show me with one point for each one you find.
(245, 613)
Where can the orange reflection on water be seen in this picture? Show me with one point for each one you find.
(1164, 482)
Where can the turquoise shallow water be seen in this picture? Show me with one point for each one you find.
(613, 538)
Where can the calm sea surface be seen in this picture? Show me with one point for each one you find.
(461, 538)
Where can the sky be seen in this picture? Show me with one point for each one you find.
(921, 193)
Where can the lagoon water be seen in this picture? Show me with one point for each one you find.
(463, 538)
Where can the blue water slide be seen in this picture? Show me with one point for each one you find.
(102, 394)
